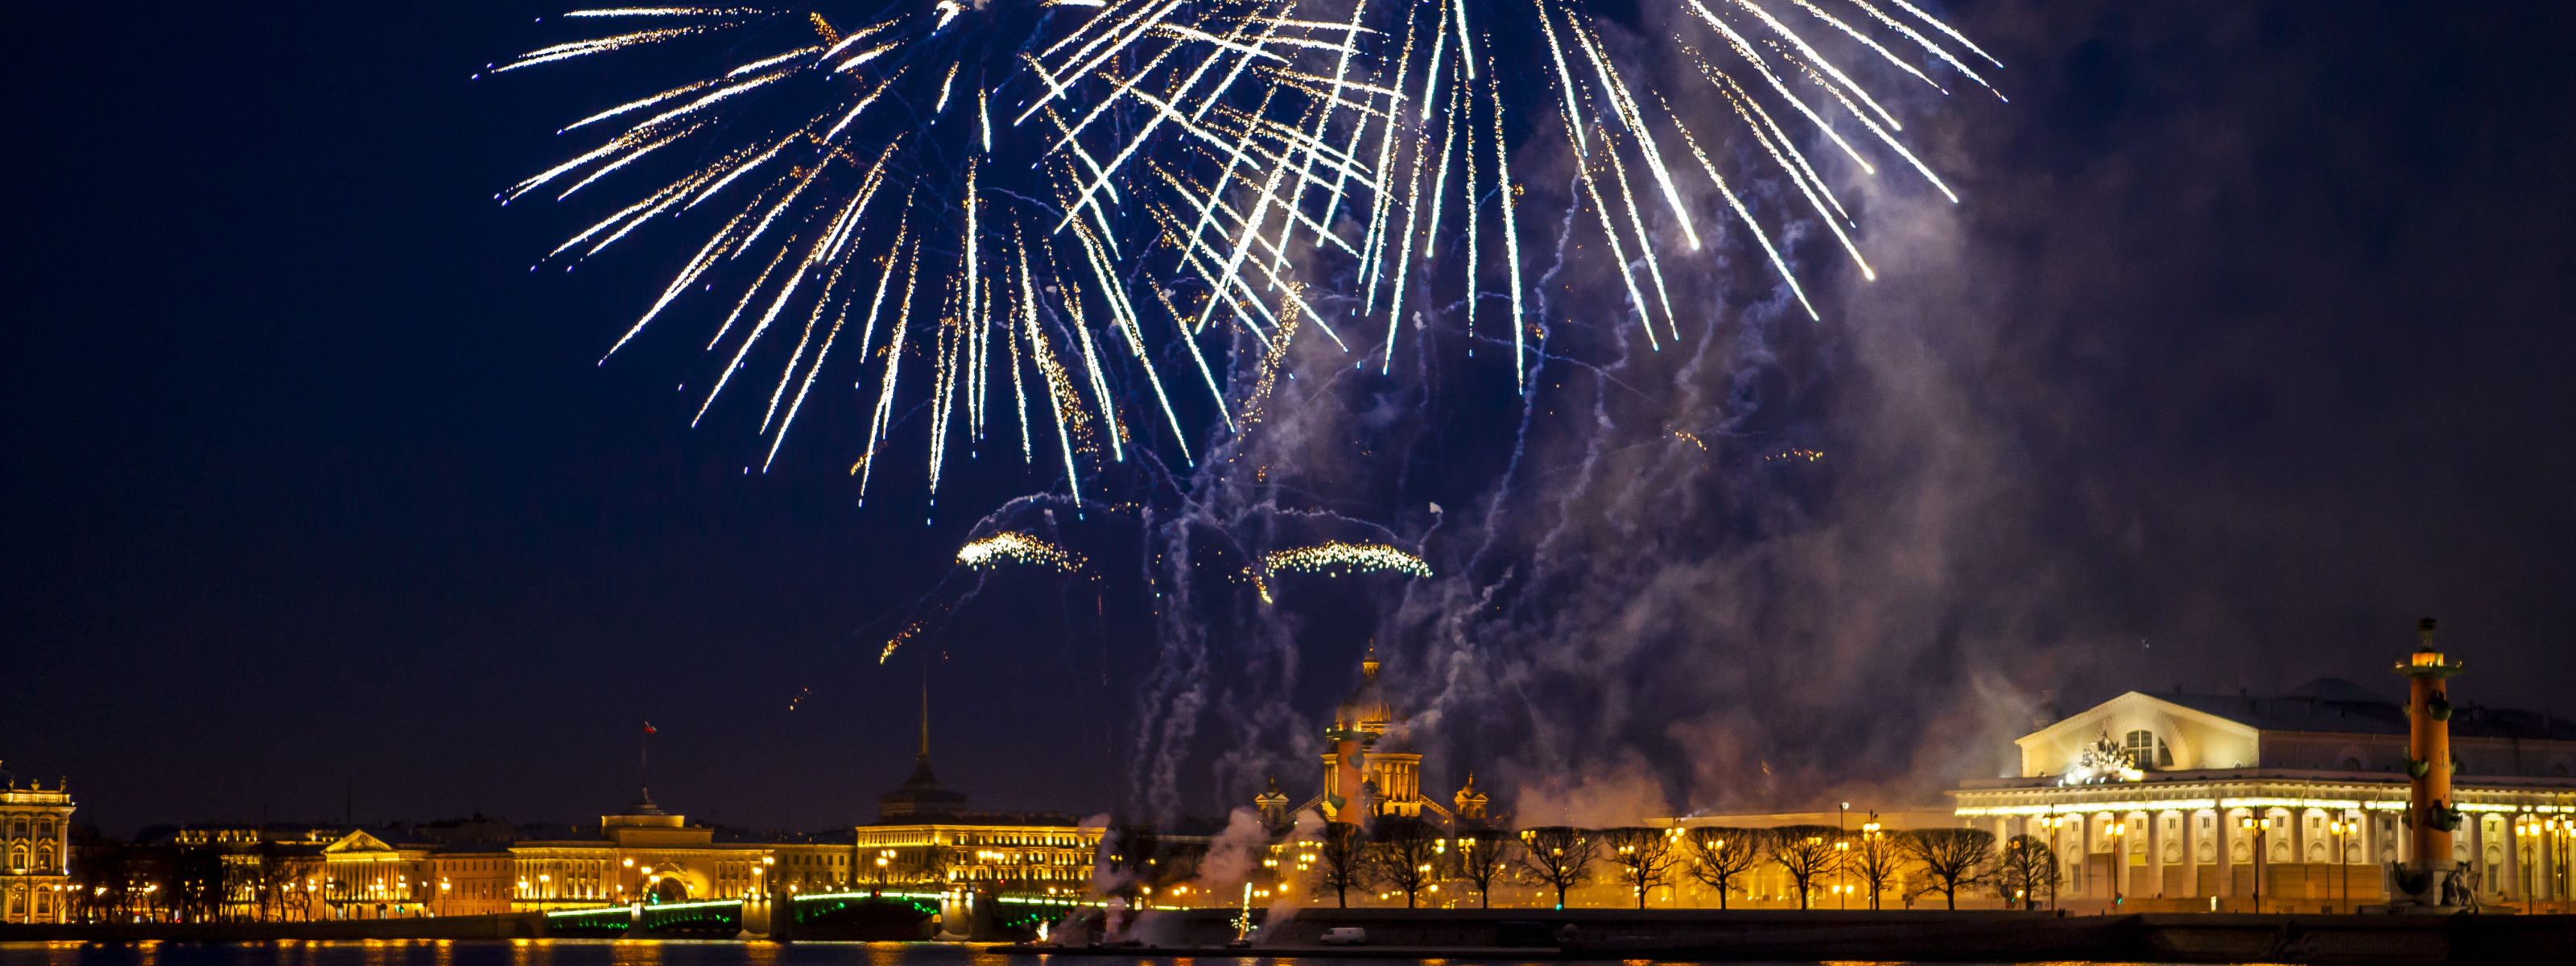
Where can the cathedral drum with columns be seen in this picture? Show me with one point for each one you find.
(2291, 803)
(1368, 771)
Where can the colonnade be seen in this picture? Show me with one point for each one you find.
(2338, 851)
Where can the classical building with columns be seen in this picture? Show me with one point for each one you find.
(2202, 801)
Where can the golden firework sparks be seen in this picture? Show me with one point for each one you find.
(1013, 547)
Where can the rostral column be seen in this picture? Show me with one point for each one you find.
(2429, 880)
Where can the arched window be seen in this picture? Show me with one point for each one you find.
(18, 829)
(18, 859)
(2145, 750)
(45, 829)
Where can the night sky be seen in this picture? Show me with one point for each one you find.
(2249, 342)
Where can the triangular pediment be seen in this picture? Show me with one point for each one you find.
(356, 842)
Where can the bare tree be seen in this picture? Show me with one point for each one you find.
(1645, 856)
(1482, 855)
(1405, 855)
(1717, 856)
(2026, 870)
(98, 876)
(1805, 852)
(1342, 859)
(273, 878)
(1952, 859)
(1877, 858)
(1559, 856)
(196, 885)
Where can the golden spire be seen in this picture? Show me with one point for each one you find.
(1368, 665)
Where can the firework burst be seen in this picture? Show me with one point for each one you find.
(1420, 128)
(1351, 557)
(955, 195)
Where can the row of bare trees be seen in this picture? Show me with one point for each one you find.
(1411, 856)
(203, 882)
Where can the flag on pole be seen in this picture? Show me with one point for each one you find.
(648, 727)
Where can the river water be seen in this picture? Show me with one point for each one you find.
(586, 952)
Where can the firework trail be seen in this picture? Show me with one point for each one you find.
(954, 195)
(1420, 127)
(896, 642)
(1015, 547)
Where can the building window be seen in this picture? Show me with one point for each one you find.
(2144, 750)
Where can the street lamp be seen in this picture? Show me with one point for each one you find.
(2558, 834)
(2258, 826)
(1842, 868)
(2343, 860)
(1839, 872)
(2052, 822)
(2549, 840)
(1870, 833)
(2562, 836)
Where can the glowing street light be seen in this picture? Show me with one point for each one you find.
(2259, 826)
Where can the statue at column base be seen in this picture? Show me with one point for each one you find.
(2439, 887)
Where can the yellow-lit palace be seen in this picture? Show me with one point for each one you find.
(35, 830)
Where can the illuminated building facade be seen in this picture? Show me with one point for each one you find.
(925, 836)
(35, 845)
(1042, 853)
(645, 852)
(472, 879)
(642, 854)
(366, 877)
(2195, 801)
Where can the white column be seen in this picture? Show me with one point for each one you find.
(2157, 835)
(2508, 873)
(2225, 841)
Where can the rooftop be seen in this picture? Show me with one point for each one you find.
(2339, 706)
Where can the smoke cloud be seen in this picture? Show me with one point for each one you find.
(1783, 561)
